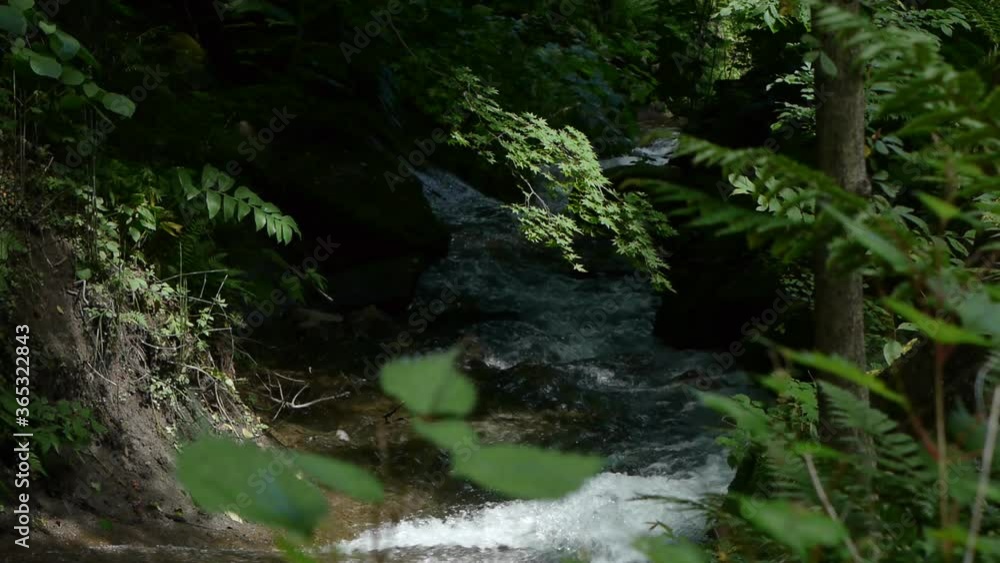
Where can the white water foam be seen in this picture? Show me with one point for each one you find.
(601, 520)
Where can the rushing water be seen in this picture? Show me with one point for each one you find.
(591, 339)
(558, 342)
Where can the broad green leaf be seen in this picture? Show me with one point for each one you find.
(341, 476)
(794, 526)
(286, 233)
(47, 27)
(980, 312)
(527, 472)
(447, 434)
(816, 450)
(184, 178)
(844, 369)
(87, 57)
(258, 485)
(944, 210)
(22, 5)
(936, 329)
(228, 207)
(892, 351)
(12, 21)
(214, 202)
(430, 385)
(91, 90)
(225, 181)
(242, 210)
(662, 550)
(72, 77)
(291, 223)
(118, 104)
(826, 63)
(45, 66)
(272, 227)
(243, 193)
(209, 176)
(259, 218)
(64, 45)
(873, 241)
(753, 421)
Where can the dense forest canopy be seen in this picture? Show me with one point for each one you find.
(231, 229)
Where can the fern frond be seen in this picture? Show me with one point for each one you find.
(985, 13)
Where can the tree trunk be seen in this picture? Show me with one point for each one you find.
(840, 131)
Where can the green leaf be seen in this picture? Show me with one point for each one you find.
(430, 385)
(258, 485)
(87, 57)
(892, 351)
(64, 45)
(72, 77)
(118, 104)
(184, 178)
(243, 193)
(22, 5)
(228, 207)
(12, 21)
(225, 181)
(259, 219)
(826, 63)
(872, 241)
(91, 90)
(980, 312)
(242, 210)
(662, 550)
(792, 525)
(936, 329)
(816, 450)
(45, 66)
(944, 210)
(214, 202)
(286, 233)
(447, 434)
(527, 472)
(294, 226)
(47, 27)
(835, 365)
(754, 421)
(209, 176)
(341, 476)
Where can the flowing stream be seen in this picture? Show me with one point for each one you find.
(575, 344)
(577, 347)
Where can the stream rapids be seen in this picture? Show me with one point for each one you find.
(555, 340)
